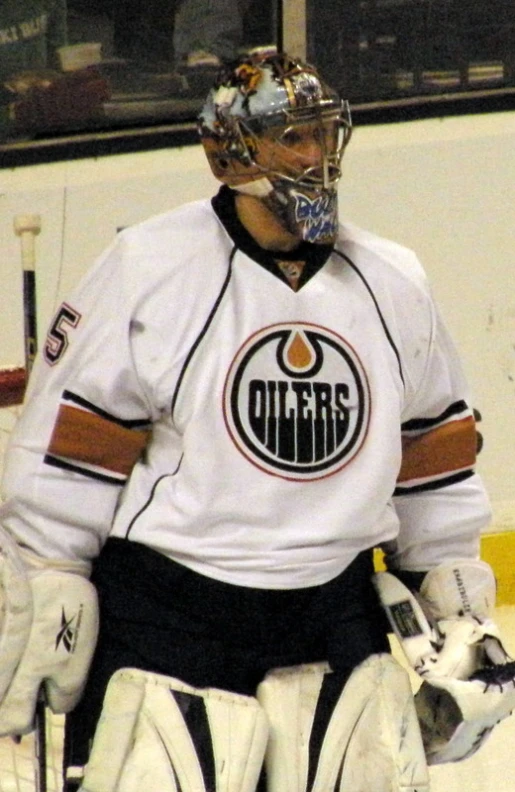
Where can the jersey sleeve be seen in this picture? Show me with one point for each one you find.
(86, 420)
(440, 499)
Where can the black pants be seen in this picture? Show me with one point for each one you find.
(160, 616)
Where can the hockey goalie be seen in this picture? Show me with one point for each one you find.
(240, 401)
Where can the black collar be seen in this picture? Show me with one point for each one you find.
(313, 255)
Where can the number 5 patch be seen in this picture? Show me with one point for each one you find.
(57, 342)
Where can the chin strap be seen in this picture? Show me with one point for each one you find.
(259, 188)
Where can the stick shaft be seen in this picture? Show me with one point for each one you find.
(27, 227)
(40, 746)
(30, 333)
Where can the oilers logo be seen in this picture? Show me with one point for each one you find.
(297, 401)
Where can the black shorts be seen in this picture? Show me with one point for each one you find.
(160, 616)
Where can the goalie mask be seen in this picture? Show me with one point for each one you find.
(273, 129)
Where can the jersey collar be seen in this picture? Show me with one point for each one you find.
(313, 255)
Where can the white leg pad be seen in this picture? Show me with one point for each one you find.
(159, 734)
(372, 740)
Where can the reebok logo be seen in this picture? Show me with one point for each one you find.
(68, 633)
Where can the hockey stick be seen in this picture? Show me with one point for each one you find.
(27, 227)
(40, 743)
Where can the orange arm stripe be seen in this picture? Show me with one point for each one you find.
(444, 449)
(86, 437)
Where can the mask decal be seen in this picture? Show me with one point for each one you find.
(311, 216)
(317, 216)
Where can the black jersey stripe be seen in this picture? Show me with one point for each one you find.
(69, 396)
(150, 498)
(204, 330)
(59, 463)
(419, 424)
(429, 486)
(378, 309)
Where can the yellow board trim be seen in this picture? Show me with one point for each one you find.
(498, 550)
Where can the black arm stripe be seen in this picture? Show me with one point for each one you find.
(59, 463)
(456, 408)
(429, 486)
(69, 396)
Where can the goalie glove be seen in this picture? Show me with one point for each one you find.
(449, 637)
(48, 630)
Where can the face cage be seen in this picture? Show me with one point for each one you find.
(311, 179)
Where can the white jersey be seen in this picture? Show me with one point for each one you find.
(189, 399)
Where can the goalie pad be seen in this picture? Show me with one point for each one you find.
(362, 738)
(450, 639)
(48, 629)
(159, 734)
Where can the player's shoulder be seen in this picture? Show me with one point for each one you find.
(397, 282)
(166, 246)
(184, 224)
(381, 257)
